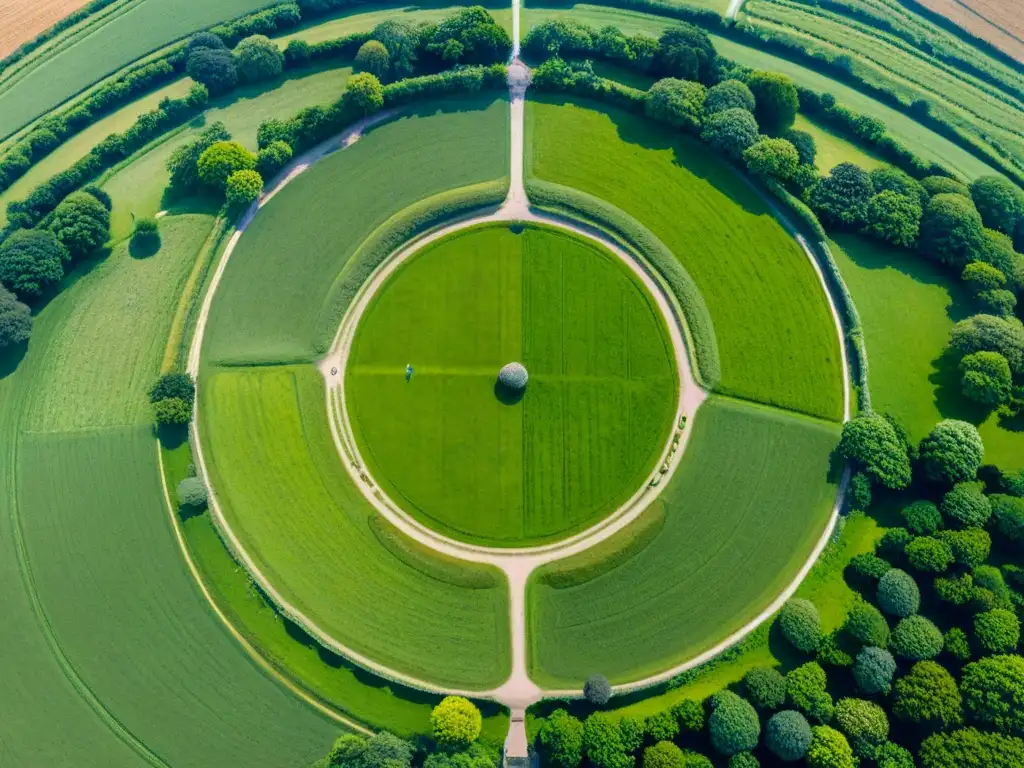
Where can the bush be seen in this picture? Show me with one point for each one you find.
(765, 687)
(1000, 303)
(800, 625)
(951, 230)
(952, 452)
(744, 760)
(213, 68)
(734, 726)
(970, 748)
(860, 490)
(922, 518)
(185, 159)
(980, 276)
(997, 251)
(383, 749)
(664, 754)
(990, 579)
(172, 411)
(662, 726)
(805, 690)
(865, 724)
(221, 160)
(729, 94)
(888, 178)
(787, 735)
(456, 721)
(833, 651)
(928, 696)
(929, 555)
(146, 232)
(842, 197)
(1008, 515)
(993, 334)
(597, 690)
(243, 188)
(891, 755)
(560, 738)
(869, 566)
(776, 100)
(602, 742)
(680, 103)
(893, 217)
(993, 690)
(772, 159)
(272, 158)
(866, 624)
(873, 671)
(257, 59)
(401, 38)
(179, 385)
(986, 377)
(829, 749)
(15, 320)
(690, 715)
(373, 57)
(955, 643)
(893, 543)
(970, 547)
(31, 261)
(997, 631)
(631, 730)
(940, 185)
(999, 202)
(192, 493)
(730, 131)
(966, 506)
(81, 223)
(805, 145)
(873, 443)
(916, 638)
(898, 594)
(686, 51)
(365, 93)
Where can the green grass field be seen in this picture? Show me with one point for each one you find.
(365, 17)
(834, 149)
(325, 214)
(911, 376)
(596, 414)
(775, 334)
(742, 514)
(290, 500)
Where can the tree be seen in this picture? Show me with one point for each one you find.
(898, 594)
(776, 100)
(205, 40)
(952, 452)
(687, 52)
(997, 250)
(970, 547)
(916, 638)
(893, 543)
(1013, 482)
(928, 696)
(373, 57)
(891, 755)
(1008, 513)
(243, 188)
(471, 36)
(1000, 302)
(772, 159)
(729, 94)
(146, 232)
(787, 735)
(922, 517)
(860, 490)
(869, 566)
(888, 178)
(992, 334)
(257, 59)
(81, 223)
(966, 506)
(829, 749)
(805, 690)
(971, 748)
(213, 68)
(744, 760)
(733, 725)
(561, 740)
(184, 160)
(999, 202)
(981, 276)
(272, 158)
(993, 689)
(602, 742)
(400, 38)
(662, 726)
(15, 320)
(365, 93)
(986, 378)
(386, 749)
(631, 730)
(929, 555)
(664, 754)
(865, 724)
(474, 756)
(172, 411)
(297, 53)
(456, 721)
(997, 631)
(221, 160)
(31, 261)
(833, 651)
(192, 493)
(179, 385)
(955, 643)
(765, 687)
(805, 145)
(867, 625)
(951, 230)
(938, 185)
(730, 131)
(893, 217)
(874, 670)
(873, 443)
(690, 715)
(679, 103)
(800, 624)
(597, 690)
(842, 197)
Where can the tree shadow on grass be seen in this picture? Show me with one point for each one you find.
(949, 397)
(144, 247)
(171, 436)
(11, 357)
(507, 395)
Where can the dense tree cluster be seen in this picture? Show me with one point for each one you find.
(173, 396)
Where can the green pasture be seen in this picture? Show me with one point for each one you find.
(741, 515)
(270, 303)
(908, 305)
(834, 149)
(450, 448)
(776, 337)
(364, 17)
(309, 529)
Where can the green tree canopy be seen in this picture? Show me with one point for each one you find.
(456, 721)
(15, 320)
(989, 333)
(928, 696)
(373, 57)
(258, 58)
(81, 223)
(560, 738)
(987, 378)
(787, 735)
(999, 201)
(679, 103)
(243, 188)
(829, 749)
(951, 230)
(873, 443)
(733, 724)
(729, 94)
(364, 93)
(221, 160)
(971, 748)
(993, 689)
(687, 52)
(664, 754)
(772, 158)
(893, 217)
(842, 197)
(213, 68)
(776, 100)
(928, 554)
(865, 724)
(401, 38)
(916, 638)
(874, 670)
(800, 624)
(966, 505)
(866, 624)
(952, 452)
(31, 261)
(730, 131)
(765, 687)
(898, 594)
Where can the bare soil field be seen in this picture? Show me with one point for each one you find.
(21, 20)
(997, 21)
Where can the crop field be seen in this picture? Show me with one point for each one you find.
(437, 147)
(991, 20)
(775, 334)
(310, 530)
(741, 515)
(21, 20)
(833, 149)
(592, 423)
(911, 377)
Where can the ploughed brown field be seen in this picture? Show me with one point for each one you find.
(1000, 22)
(21, 20)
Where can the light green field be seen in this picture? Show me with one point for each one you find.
(775, 334)
(446, 445)
(267, 309)
(833, 149)
(911, 376)
(309, 529)
(363, 18)
(741, 515)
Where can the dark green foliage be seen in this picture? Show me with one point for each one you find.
(893, 217)
(172, 411)
(178, 385)
(1000, 303)
(192, 493)
(993, 690)
(995, 334)
(257, 59)
(888, 178)
(980, 276)
(602, 742)
(1008, 514)
(734, 726)
(928, 696)
(469, 36)
(662, 726)
(971, 748)
(560, 37)
(970, 547)
(690, 715)
(765, 688)
(272, 158)
(800, 624)
(664, 754)
(940, 185)
(893, 543)
(597, 690)
(874, 444)
(966, 505)
(898, 594)
(183, 161)
(401, 38)
(956, 644)
(951, 230)
(891, 755)
(997, 631)
(997, 251)
(373, 57)
(680, 103)
(929, 555)
(990, 579)
(805, 690)
(867, 625)
(631, 729)
(730, 131)
(221, 160)
(205, 40)
(561, 740)
(865, 724)
(15, 320)
(869, 566)
(922, 518)
(956, 590)
(805, 145)
(776, 100)
(874, 670)
(772, 159)
(381, 749)
(986, 376)
(729, 94)
(213, 68)
(687, 52)
(916, 638)
(842, 197)
(829, 749)
(1013, 483)
(696, 760)
(860, 490)
(31, 261)
(833, 651)
(787, 735)
(473, 756)
(952, 452)
(146, 233)
(744, 760)
(999, 202)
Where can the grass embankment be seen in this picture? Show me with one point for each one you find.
(912, 376)
(776, 337)
(591, 425)
(741, 515)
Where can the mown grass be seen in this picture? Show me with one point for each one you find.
(908, 305)
(591, 424)
(742, 514)
(776, 337)
(834, 149)
(294, 249)
(365, 17)
(288, 497)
